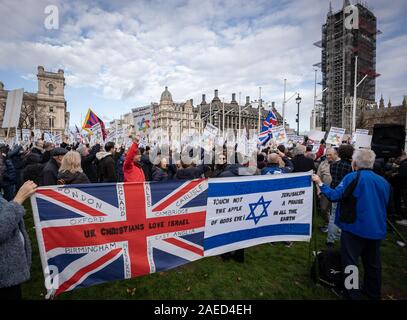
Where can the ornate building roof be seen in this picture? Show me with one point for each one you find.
(166, 97)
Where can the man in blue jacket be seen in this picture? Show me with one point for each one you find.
(362, 236)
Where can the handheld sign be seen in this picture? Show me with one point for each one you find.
(335, 136)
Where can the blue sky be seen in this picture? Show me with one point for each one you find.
(121, 54)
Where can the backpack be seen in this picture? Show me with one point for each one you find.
(348, 203)
(330, 272)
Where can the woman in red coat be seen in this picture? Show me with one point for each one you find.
(132, 170)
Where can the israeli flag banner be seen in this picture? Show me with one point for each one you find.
(258, 210)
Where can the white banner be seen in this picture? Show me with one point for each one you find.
(335, 136)
(279, 134)
(13, 108)
(257, 210)
(142, 120)
(26, 136)
(316, 135)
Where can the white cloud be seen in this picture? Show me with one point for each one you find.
(132, 49)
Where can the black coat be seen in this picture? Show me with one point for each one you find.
(159, 174)
(190, 173)
(302, 163)
(106, 168)
(67, 177)
(50, 173)
(88, 164)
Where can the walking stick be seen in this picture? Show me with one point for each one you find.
(396, 231)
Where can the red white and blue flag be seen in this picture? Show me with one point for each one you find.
(90, 234)
(266, 129)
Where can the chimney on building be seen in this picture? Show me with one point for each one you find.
(233, 98)
(203, 99)
(247, 100)
(216, 93)
(273, 105)
(389, 104)
(192, 102)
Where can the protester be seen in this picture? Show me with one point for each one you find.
(399, 183)
(70, 171)
(321, 150)
(15, 155)
(338, 169)
(300, 162)
(50, 172)
(88, 161)
(132, 167)
(35, 155)
(160, 171)
(325, 174)
(106, 166)
(308, 152)
(15, 246)
(363, 221)
(146, 164)
(48, 147)
(8, 184)
(273, 164)
(190, 171)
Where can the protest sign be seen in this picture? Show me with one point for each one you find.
(279, 134)
(362, 141)
(48, 137)
(58, 139)
(142, 120)
(316, 135)
(26, 136)
(37, 134)
(335, 136)
(13, 108)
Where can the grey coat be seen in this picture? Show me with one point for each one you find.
(15, 258)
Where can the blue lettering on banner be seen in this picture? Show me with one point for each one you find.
(227, 189)
(265, 231)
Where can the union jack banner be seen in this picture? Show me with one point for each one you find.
(266, 130)
(90, 234)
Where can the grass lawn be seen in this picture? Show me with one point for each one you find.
(269, 272)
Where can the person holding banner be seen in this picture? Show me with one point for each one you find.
(364, 199)
(15, 246)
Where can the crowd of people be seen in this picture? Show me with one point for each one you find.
(23, 169)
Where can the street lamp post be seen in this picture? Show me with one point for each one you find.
(298, 101)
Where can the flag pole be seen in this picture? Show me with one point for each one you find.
(259, 109)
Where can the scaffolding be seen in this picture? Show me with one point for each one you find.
(339, 48)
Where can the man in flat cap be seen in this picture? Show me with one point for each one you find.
(50, 172)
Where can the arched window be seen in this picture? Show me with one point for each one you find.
(51, 89)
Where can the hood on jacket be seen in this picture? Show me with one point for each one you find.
(70, 177)
(102, 154)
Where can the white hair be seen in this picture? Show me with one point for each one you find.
(299, 149)
(364, 158)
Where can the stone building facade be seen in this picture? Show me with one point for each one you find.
(46, 109)
(176, 119)
(249, 113)
(389, 114)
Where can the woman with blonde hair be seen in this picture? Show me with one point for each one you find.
(70, 171)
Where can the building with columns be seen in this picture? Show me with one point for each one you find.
(46, 109)
(176, 119)
(212, 112)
